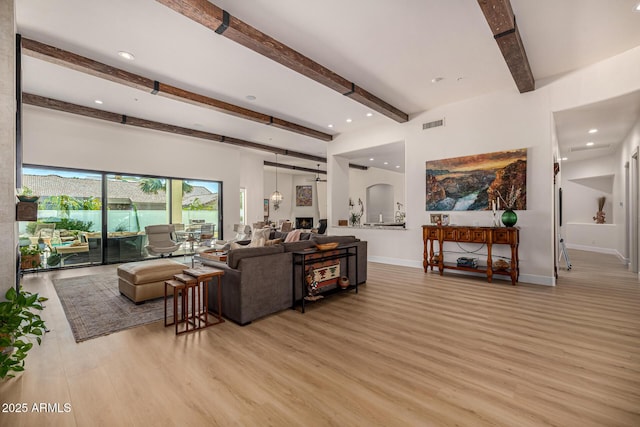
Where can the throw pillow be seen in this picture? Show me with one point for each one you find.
(292, 236)
(259, 237)
(273, 242)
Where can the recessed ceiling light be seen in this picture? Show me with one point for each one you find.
(349, 120)
(589, 144)
(98, 101)
(369, 114)
(371, 159)
(437, 79)
(386, 163)
(564, 159)
(126, 55)
(637, 7)
(593, 130)
(329, 126)
(397, 166)
(251, 97)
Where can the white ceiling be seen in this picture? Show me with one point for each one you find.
(391, 48)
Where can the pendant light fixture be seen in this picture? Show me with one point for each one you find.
(276, 197)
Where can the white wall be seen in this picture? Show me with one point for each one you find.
(494, 122)
(53, 138)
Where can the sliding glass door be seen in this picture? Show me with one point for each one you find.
(69, 217)
(83, 214)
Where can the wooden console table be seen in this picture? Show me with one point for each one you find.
(314, 256)
(465, 234)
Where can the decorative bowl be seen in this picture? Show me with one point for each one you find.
(327, 246)
(500, 265)
(24, 198)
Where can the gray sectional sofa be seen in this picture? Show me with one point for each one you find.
(258, 281)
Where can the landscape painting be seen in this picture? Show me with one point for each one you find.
(477, 182)
(303, 195)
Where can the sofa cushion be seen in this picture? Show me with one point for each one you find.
(235, 255)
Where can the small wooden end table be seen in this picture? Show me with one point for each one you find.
(204, 275)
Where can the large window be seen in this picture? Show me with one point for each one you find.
(75, 227)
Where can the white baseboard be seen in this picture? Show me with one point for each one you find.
(395, 261)
(596, 249)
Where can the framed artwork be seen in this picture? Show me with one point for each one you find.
(478, 182)
(266, 208)
(436, 218)
(304, 195)
(445, 219)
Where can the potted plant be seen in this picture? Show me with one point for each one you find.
(19, 323)
(30, 257)
(26, 195)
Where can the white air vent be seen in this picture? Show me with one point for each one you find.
(594, 147)
(433, 124)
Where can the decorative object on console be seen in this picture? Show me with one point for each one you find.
(599, 218)
(472, 182)
(467, 262)
(500, 265)
(509, 218)
(327, 246)
(343, 282)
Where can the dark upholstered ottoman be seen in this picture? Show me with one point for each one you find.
(144, 280)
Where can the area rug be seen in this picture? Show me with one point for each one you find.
(94, 307)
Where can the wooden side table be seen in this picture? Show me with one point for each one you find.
(203, 276)
(178, 291)
(191, 286)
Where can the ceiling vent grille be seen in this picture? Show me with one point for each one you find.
(585, 148)
(433, 124)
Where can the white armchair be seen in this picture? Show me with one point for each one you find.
(243, 232)
(162, 239)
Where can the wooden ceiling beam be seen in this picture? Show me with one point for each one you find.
(295, 168)
(67, 107)
(97, 69)
(220, 21)
(502, 21)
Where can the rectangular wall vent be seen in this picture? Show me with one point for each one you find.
(433, 124)
(585, 148)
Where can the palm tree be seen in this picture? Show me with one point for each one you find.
(153, 185)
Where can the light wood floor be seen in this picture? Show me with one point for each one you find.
(411, 349)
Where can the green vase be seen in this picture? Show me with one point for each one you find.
(509, 218)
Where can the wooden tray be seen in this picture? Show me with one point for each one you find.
(327, 246)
